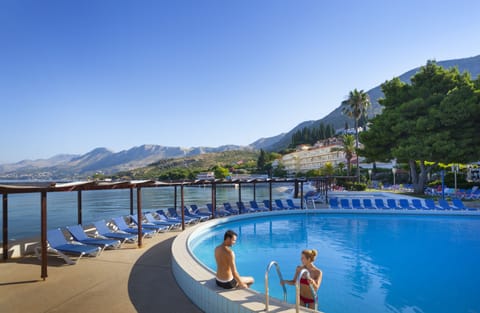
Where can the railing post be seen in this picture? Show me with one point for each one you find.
(79, 207)
(280, 276)
(297, 291)
(5, 225)
(43, 226)
(139, 217)
(183, 206)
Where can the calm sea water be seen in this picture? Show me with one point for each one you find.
(24, 209)
(370, 263)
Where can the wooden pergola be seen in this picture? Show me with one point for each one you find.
(80, 187)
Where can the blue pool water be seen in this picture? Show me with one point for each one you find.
(370, 263)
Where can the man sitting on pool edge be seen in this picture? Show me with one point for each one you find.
(227, 276)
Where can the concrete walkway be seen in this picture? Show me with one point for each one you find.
(124, 280)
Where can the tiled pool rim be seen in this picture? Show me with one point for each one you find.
(198, 282)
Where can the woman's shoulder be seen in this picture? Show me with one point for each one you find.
(317, 270)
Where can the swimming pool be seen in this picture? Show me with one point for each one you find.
(370, 262)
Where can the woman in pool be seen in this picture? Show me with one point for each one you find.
(306, 297)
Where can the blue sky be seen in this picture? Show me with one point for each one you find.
(75, 75)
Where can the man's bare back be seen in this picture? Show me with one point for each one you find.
(227, 276)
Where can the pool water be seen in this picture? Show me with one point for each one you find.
(370, 263)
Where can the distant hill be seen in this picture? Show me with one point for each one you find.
(100, 160)
(337, 119)
(199, 162)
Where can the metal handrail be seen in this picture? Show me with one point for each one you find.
(297, 290)
(266, 283)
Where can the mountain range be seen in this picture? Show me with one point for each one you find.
(102, 160)
(338, 120)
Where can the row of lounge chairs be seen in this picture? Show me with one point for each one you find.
(241, 208)
(105, 236)
(401, 204)
(112, 235)
(466, 194)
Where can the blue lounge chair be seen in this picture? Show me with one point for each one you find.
(254, 206)
(228, 207)
(79, 235)
(201, 218)
(218, 212)
(380, 204)
(122, 225)
(345, 204)
(367, 204)
(444, 204)
(162, 221)
(292, 205)
(279, 205)
(417, 204)
(460, 206)
(356, 204)
(430, 204)
(405, 205)
(146, 225)
(392, 204)
(104, 231)
(175, 217)
(333, 202)
(267, 204)
(243, 209)
(59, 245)
(197, 211)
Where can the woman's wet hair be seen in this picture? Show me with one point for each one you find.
(229, 234)
(310, 254)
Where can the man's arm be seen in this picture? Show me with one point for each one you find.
(235, 274)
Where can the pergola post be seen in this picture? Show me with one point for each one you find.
(183, 205)
(5, 225)
(43, 235)
(270, 194)
(131, 200)
(239, 195)
(139, 216)
(175, 197)
(301, 194)
(79, 207)
(214, 200)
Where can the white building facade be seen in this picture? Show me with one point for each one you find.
(312, 158)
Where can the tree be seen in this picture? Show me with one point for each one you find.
(220, 172)
(356, 108)
(348, 147)
(328, 169)
(435, 119)
(262, 160)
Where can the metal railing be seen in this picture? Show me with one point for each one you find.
(277, 267)
(297, 290)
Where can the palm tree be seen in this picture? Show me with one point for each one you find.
(348, 147)
(356, 108)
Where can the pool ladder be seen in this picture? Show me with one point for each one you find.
(297, 287)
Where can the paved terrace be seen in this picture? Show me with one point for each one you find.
(124, 280)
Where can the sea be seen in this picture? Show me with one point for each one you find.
(24, 209)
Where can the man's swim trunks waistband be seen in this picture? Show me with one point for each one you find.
(229, 284)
